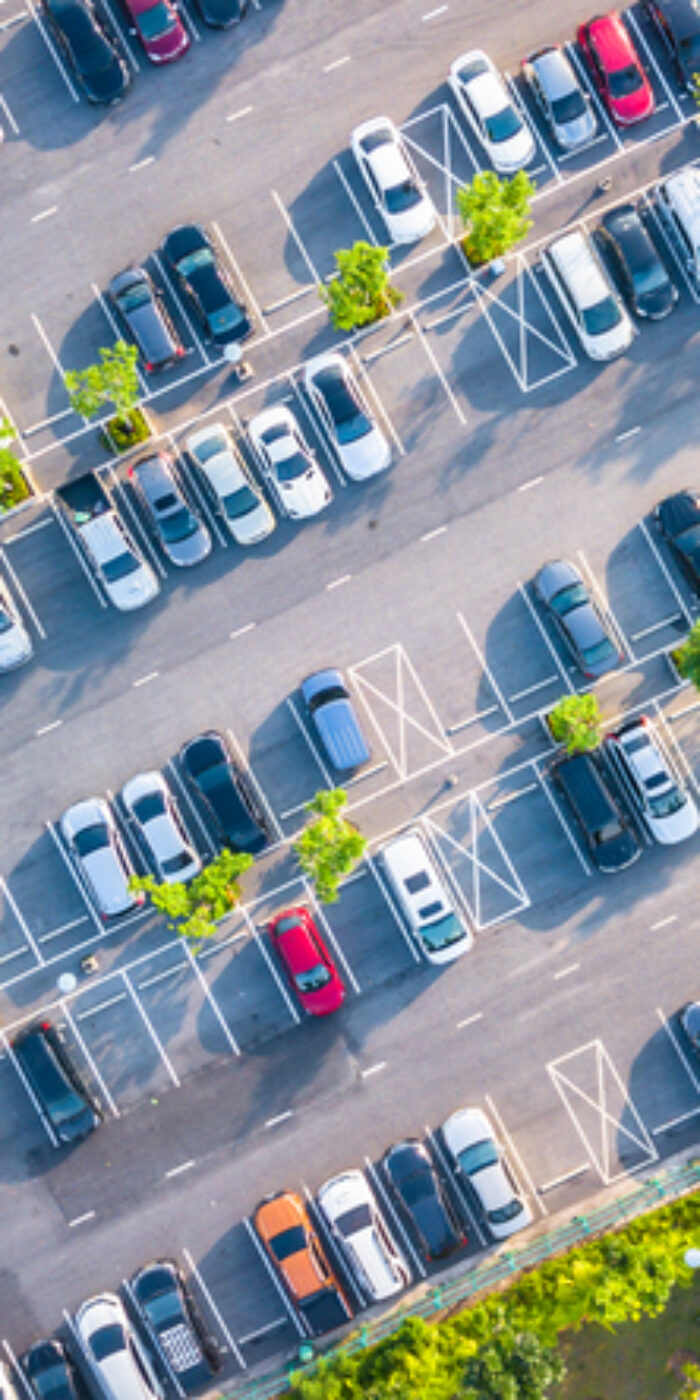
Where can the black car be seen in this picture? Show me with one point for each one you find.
(224, 793)
(140, 308)
(611, 841)
(574, 612)
(643, 279)
(49, 1372)
(193, 260)
(174, 1326)
(420, 1195)
(678, 519)
(221, 14)
(89, 47)
(678, 22)
(56, 1084)
(689, 1022)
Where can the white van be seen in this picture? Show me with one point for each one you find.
(423, 897)
(678, 202)
(587, 295)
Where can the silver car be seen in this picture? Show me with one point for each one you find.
(15, 642)
(562, 101)
(141, 311)
(239, 500)
(114, 1350)
(151, 807)
(179, 532)
(90, 833)
(577, 617)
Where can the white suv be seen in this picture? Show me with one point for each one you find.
(423, 897)
(651, 781)
(678, 202)
(116, 1354)
(351, 1210)
(588, 296)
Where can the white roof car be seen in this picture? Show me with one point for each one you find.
(8, 1385)
(423, 897)
(128, 580)
(565, 105)
(393, 181)
(238, 497)
(652, 782)
(484, 98)
(115, 1351)
(151, 806)
(588, 296)
(349, 1206)
(476, 1159)
(357, 438)
(89, 830)
(678, 199)
(289, 463)
(15, 641)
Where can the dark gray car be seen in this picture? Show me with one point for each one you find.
(562, 591)
(179, 532)
(140, 308)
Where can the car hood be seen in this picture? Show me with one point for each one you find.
(105, 872)
(579, 131)
(554, 576)
(253, 527)
(412, 224)
(135, 590)
(307, 494)
(192, 550)
(367, 456)
(658, 304)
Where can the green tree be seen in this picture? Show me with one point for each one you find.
(362, 291)
(193, 909)
(575, 722)
(512, 1366)
(13, 487)
(687, 657)
(114, 380)
(495, 213)
(696, 89)
(329, 847)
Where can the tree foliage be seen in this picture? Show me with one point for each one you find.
(687, 657)
(495, 213)
(13, 487)
(114, 380)
(575, 722)
(512, 1366)
(362, 291)
(329, 847)
(192, 909)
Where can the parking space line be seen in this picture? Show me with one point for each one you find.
(4, 887)
(582, 72)
(355, 202)
(423, 340)
(213, 1308)
(3, 103)
(123, 40)
(265, 954)
(329, 781)
(161, 976)
(397, 1222)
(605, 605)
(101, 1006)
(296, 1320)
(392, 905)
(168, 281)
(62, 928)
(248, 770)
(163, 1356)
(48, 1129)
(454, 1183)
(211, 999)
(656, 627)
(681, 762)
(682, 1057)
(312, 415)
(22, 593)
(320, 915)
(470, 1020)
(532, 689)
(562, 822)
(151, 1031)
(328, 1238)
(295, 237)
(51, 353)
(630, 19)
(509, 797)
(566, 971)
(485, 667)
(545, 637)
(254, 304)
(666, 573)
(678, 261)
(52, 50)
(675, 1122)
(514, 1154)
(263, 1331)
(364, 375)
(95, 1071)
(564, 1179)
(67, 534)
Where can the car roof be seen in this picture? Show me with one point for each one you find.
(300, 942)
(389, 164)
(488, 94)
(576, 261)
(612, 42)
(301, 1270)
(554, 71)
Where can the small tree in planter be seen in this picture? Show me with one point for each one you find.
(686, 657)
(329, 847)
(495, 213)
(13, 485)
(362, 291)
(193, 909)
(575, 722)
(114, 380)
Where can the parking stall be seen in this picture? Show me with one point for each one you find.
(247, 1296)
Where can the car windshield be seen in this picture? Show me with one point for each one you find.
(478, 1155)
(567, 598)
(351, 429)
(133, 297)
(601, 318)
(225, 319)
(201, 257)
(107, 1341)
(155, 22)
(150, 806)
(292, 467)
(651, 277)
(120, 567)
(177, 862)
(499, 1217)
(324, 697)
(600, 652)
(443, 933)
(91, 838)
(211, 447)
(689, 541)
(568, 108)
(290, 1241)
(359, 1218)
(349, 420)
(178, 526)
(624, 81)
(65, 1109)
(402, 197)
(240, 502)
(503, 125)
(313, 979)
(666, 803)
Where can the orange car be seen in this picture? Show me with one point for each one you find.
(282, 1223)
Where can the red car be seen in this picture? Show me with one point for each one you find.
(616, 68)
(159, 28)
(308, 963)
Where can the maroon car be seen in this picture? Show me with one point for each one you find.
(160, 29)
(308, 963)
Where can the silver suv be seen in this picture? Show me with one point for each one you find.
(652, 782)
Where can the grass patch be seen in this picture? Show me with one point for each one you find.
(639, 1361)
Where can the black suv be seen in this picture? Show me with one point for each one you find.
(174, 1326)
(90, 47)
(678, 22)
(56, 1084)
(224, 793)
(611, 842)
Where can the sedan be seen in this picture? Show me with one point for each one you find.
(222, 14)
(90, 833)
(359, 442)
(15, 641)
(289, 463)
(488, 107)
(562, 101)
(689, 1022)
(207, 285)
(616, 69)
(678, 22)
(223, 793)
(180, 533)
(89, 47)
(308, 964)
(562, 591)
(392, 180)
(140, 309)
(50, 1372)
(160, 29)
(421, 1198)
(476, 1159)
(114, 1349)
(350, 1208)
(151, 807)
(237, 497)
(284, 1227)
(174, 1327)
(642, 277)
(678, 519)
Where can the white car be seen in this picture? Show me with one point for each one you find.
(476, 1159)
(238, 499)
(15, 641)
(488, 107)
(423, 897)
(90, 833)
(349, 1206)
(151, 806)
(115, 1352)
(289, 463)
(652, 782)
(392, 180)
(344, 413)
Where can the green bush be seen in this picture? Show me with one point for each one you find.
(575, 722)
(120, 434)
(14, 486)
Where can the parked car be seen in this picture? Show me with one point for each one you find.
(332, 713)
(140, 310)
(173, 1325)
(70, 1111)
(284, 1227)
(492, 115)
(222, 14)
(307, 961)
(160, 29)
(587, 295)
(90, 514)
(207, 285)
(577, 617)
(421, 1199)
(90, 48)
(478, 1162)
(362, 1235)
(392, 180)
(237, 498)
(151, 807)
(15, 642)
(114, 1350)
(639, 271)
(611, 842)
(50, 1372)
(678, 519)
(180, 533)
(423, 897)
(677, 202)
(678, 22)
(9, 1390)
(616, 69)
(290, 466)
(689, 1022)
(90, 833)
(652, 782)
(564, 104)
(224, 793)
(346, 417)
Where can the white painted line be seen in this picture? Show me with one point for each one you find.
(473, 719)
(450, 1176)
(338, 582)
(141, 534)
(329, 781)
(674, 1122)
(538, 140)
(16, 953)
(186, 800)
(279, 1118)
(160, 976)
(169, 281)
(214, 1309)
(564, 824)
(437, 368)
(470, 1020)
(391, 1210)
(563, 1180)
(295, 236)
(301, 1329)
(330, 936)
(374, 1069)
(566, 971)
(9, 24)
(433, 14)
(45, 214)
(682, 1057)
(22, 593)
(485, 668)
(241, 631)
(242, 112)
(62, 928)
(4, 887)
(147, 1023)
(118, 334)
(47, 1126)
(266, 956)
(177, 1171)
(48, 728)
(337, 63)
(24, 1383)
(93, 1067)
(262, 1331)
(528, 485)
(545, 636)
(532, 689)
(667, 575)
(145, 680)
(211, 999)
(605, 604)
(509, 797)
(68, 535)
(656, 626)
(3, 102)
(583, 73)
(355, 203)
(141, 164)
(241, 279)
(363, 374)
(81, 1219)
(38, 524)
(101, 1006)
(515, 1155)
(631, 432)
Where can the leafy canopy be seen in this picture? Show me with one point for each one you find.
(687, 657)
(575, 722)
(192, 909)
(13, 487)
(114, 380)
(495, 213)
(361, 292)
(329, 847)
